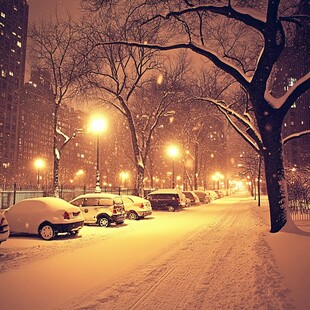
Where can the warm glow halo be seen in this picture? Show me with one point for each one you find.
(98, 124)
(173, 151)
(39, 163)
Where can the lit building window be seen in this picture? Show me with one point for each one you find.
(294, 105)
(11, 73)
(19, 44)
(1, 24)
(3, 73)
(284, 124)
(2, 14)
(292, 123)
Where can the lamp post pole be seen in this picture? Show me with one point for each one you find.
(98, 188)
(173, 176)
(98, 125)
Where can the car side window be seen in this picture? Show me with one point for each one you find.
(105, 202)
(89, 202)
(78, 202)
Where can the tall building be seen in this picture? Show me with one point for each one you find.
(13, 37)
(292, 65)
(36, 131)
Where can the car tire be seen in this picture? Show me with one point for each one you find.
(47, 232)
(132, 215)
(171, 208)
(103, 222)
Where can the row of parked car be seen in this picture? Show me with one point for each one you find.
(50, 216)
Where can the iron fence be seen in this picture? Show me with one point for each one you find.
(10, 197)
(300, 210)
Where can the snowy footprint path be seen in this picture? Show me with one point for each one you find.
(225, 264)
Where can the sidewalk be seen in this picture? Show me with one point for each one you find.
(292, 254)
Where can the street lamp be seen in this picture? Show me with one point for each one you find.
(173, 152)
(97, 126)
(124, 176)
(216, 178)
(39, 164)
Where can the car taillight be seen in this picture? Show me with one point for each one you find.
(66, 216)
(142, 205)
(115, 209)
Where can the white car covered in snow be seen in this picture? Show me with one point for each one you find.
(4, 228)
(136, 207)
(46, 216)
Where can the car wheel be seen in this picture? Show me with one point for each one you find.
(103, 222)
(47, 232)
(171, 208)
(132, 215)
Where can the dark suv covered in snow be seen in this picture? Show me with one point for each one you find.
(167, 199)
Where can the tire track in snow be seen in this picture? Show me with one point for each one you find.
(225, 265)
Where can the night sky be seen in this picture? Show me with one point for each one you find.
(45, 8)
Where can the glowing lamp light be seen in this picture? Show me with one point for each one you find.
(98, 125)
(173, 151)
(39, 163)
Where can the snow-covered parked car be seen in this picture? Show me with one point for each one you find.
(4, 228)
(101, 208)
(46, 216)
(136, 207)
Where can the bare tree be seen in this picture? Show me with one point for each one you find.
(266, 25)
(124, 78)
(53, 47)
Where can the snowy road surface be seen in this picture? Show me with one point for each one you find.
(207, 257)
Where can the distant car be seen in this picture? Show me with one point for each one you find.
(167, 199)
(4, 228)
(192, 196)
(213, 194)
(136, 207)
(219, 193)
(102, 209)
(204, 196)
(46, 216)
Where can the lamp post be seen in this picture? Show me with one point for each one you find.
(173, 152)
(97, 126)
(216, 178)
(39, 164)
(124, 176)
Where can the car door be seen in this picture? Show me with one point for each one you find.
(90, 209)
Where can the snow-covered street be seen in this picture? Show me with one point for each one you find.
(215, 256)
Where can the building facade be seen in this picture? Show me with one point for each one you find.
(36, 131)
(13, 38)
(293, 64)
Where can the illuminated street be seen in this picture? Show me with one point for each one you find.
(207, 257)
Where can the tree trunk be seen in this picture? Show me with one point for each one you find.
(56, 176)
(275, 179)
(56, 153)
(140, 177)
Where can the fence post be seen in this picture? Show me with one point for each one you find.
(14, 195)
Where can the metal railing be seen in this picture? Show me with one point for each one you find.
(300, 210)
(10, 197)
